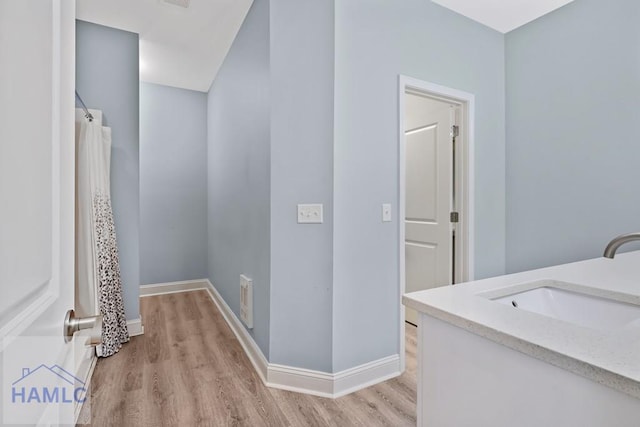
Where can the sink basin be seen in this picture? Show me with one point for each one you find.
(575, 307)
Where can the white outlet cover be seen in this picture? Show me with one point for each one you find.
(386, 212)
(310, 213)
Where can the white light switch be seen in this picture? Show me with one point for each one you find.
(310, 214)
(386, 212)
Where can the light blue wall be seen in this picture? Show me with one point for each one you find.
(107, 79)
(334, 287)
(173, 184)
(376, 40)
(239, 171)
(302, 55)
(573, 105)
(270, 148)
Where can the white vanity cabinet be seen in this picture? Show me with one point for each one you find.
(485, 363)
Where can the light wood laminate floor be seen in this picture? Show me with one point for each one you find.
(188, 369)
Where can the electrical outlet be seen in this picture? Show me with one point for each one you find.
(310, 214)
(386, 212)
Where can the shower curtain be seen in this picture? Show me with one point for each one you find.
(98, 283)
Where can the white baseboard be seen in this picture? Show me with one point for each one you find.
(366, 375)
(306, 381)
(301, 380)
(283, 377)
(135, 327)
(172, 287)
(250, 347)
(333, 385)
(85, 376)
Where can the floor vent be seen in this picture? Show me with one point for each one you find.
(246, 301)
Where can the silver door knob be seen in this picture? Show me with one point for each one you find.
(73, 324)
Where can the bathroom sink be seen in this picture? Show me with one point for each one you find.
(574, 307)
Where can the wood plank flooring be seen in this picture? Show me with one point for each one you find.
(188, 369)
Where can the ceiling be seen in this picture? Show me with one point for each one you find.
(185, 47)
(503, 15)
(180, 47)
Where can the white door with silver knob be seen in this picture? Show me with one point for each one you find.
(37, 53)
(429, 194)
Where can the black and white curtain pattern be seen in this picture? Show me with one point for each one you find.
(98, 286)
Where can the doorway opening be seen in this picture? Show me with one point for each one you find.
(436, 189)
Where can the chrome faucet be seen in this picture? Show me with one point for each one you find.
(612, 247)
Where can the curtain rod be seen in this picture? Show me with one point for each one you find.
(87, 114)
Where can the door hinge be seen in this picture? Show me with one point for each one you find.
(454, 217)
(455, 131)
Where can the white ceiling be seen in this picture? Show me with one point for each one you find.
(503, 15)
(185, 47)
(178, 47)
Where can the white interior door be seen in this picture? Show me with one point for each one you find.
(429, 193)
(37, 57)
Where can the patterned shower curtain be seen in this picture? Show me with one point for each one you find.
(98, 283)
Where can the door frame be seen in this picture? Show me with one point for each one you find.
(465, 184)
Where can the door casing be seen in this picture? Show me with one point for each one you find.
(464, 187)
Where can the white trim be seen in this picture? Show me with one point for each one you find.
(402, 85)
(87, 385)
(301, 380)
(467, 227)
(283, 377)
(135, 327)
(335, 385)
(172, 287)
(366, 375)
(253, 352)
(470, 191)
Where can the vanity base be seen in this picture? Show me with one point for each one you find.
(467, 380)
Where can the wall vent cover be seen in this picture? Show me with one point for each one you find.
(246, 301)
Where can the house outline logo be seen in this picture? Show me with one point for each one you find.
(34, 386)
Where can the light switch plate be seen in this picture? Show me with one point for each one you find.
(310, 214)
(386, 212)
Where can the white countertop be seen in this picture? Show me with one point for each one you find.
(611, 358)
